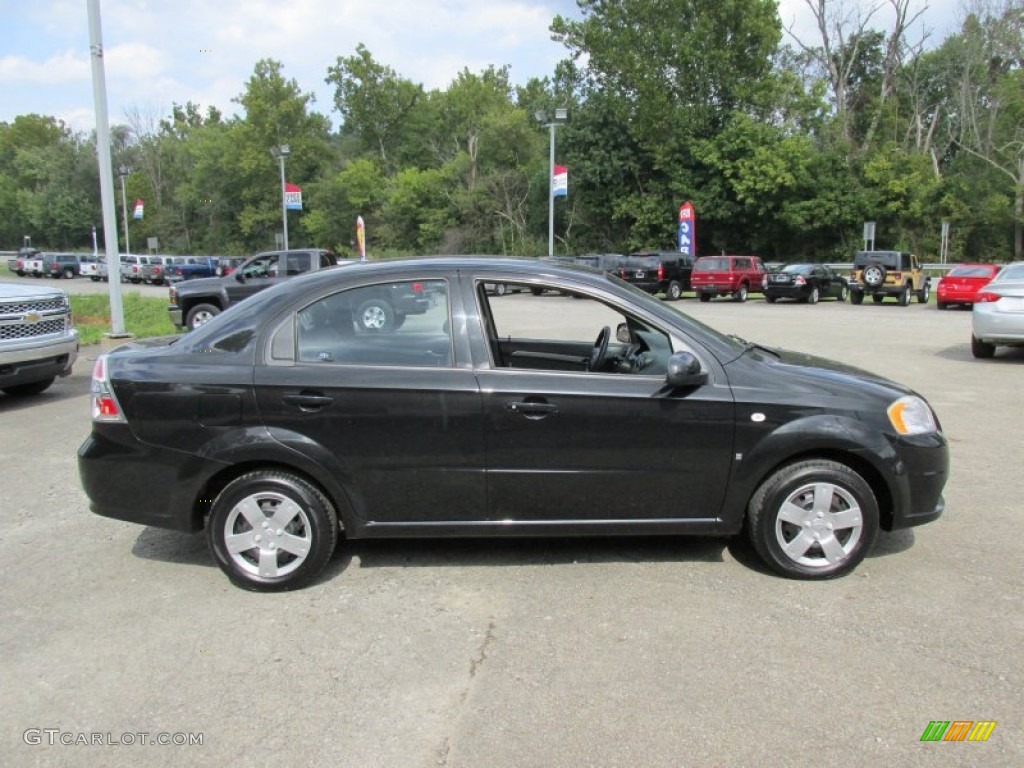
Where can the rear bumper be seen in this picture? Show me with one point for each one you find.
(994, 327)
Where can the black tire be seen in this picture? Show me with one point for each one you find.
(981, 349)
(500, 289)
(771, 299)
(705, 297)
(68, 273)
(95, 279)
(873, 275)
(925, 293)
(941, 305)
(878, 298)
(536, 291)
(399, 320)
(201, 314)
(814, 295)
(843, 293)
(279, 558)
(799, 542)
(29, 389)
(741, 293)
(375, 315)
(904, 297)
(856, 297)
(674, 291)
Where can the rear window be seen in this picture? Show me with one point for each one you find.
(646, 262)
(888, 259)
(711, 265)
(798, 269)
(971, 272)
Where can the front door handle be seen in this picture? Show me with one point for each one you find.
(308, 401)
(531, 409)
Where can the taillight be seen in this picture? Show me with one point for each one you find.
(764, 281)
(986, 296)
(661, 272)
(800, 280)
(104, 404)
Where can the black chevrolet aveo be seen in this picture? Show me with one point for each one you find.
(283, 424)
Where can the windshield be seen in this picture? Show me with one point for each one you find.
(971, 272)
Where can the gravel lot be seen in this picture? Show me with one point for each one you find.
(611, 652)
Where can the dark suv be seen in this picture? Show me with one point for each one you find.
(61, 265)
(888, 273)
(665, 272)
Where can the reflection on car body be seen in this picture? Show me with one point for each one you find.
(287, 419)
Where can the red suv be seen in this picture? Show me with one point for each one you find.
(734, 276)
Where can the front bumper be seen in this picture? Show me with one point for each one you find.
(921, 472)
(38, 360)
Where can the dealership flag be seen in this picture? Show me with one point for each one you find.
(560, 181)
(137, 212)
(361, 238)
(292, 197)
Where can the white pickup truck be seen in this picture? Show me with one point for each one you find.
(38, 340)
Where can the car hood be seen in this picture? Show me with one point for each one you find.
(802, 375)
(20, 291)
(203, 284)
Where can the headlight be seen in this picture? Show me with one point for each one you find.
(911, 416)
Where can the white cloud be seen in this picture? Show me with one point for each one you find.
(65, 67)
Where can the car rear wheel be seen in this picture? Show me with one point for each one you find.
(68, 273)
(813, 520)
(904, 297)
(812, 297)
(981, 349)
(857, 297)
(925, 293)
(32, 388)
(375, 315)
(500, 289)
(705, 297)
(674, 291)
(201, 314)
(843, 292)
(271, 530)
(941, 305)
(770, 299)
(741, 293)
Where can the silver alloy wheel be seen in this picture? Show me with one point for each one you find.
(374, 317)
(819, 525)
(267, 534)
(201, 318)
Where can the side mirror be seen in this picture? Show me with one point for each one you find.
(622, 334)
(239, 276)
(684, 371)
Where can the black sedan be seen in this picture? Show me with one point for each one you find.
(284, 423)
(804, 282)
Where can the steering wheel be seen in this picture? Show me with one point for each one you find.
(600, 351)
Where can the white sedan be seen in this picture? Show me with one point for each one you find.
(997, 318)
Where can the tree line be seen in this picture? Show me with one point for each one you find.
(784, 148)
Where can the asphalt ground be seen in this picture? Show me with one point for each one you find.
(485, 654)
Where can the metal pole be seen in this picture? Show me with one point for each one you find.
(124, 209)
(551, 193)
(99, 91)
(284, 202)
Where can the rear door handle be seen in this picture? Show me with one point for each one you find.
(531, 410)
(308, 401)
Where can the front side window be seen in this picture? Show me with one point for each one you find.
(400, 323)
(297, 263)
(548, 329)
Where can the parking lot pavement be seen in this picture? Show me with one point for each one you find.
(606, 652)
(83, 285)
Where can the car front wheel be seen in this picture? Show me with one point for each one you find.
(813, 520)
(904, 297)
(675, 290)
(741, 294)
(925, 293)
(271, 530)
(201, 314)
(843, 292)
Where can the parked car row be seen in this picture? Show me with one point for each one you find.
(34, 263)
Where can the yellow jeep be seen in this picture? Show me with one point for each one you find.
(888, 273)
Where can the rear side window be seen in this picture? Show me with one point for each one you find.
(334, 328)
(711, 265)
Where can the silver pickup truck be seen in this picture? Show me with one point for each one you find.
(38, 340)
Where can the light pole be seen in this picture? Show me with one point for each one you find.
(281, 153)
(561, 113)
(122, 171)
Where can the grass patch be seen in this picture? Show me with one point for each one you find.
(144, 316)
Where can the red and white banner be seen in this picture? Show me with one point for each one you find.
(560, 181)
(292, 197)
(137, 210)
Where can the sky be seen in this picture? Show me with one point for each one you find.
(160, 52)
